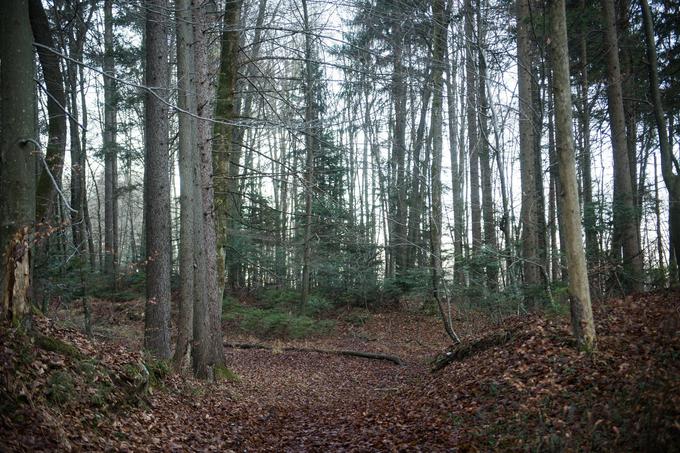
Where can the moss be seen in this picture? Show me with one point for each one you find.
(58, 346)
(223, 373)
(60, 387)
(158, 371)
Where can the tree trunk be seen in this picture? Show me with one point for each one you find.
(311, 118)
(456, 183)
(397, 181)
(439, 41)
(208, 350)
(55, 150)
(473, 139)
(226, 152)
(17, 162)
(589, 216)
(110, 148)
(624, 211)
(531, 267)
(56, 104)
(579, 289)
(671, 179)
(187, 174)
(491, 255)
(157, 184)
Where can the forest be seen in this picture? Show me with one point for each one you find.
(339, 225)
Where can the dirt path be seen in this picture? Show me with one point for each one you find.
(300, 401)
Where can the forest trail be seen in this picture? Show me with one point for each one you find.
(301, 401)
(533, 392)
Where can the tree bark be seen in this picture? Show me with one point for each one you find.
(589, 216)
(579, 288)
(188, 181)
(624, 210)
(226, 152)
(491, 255)
(671, 179)
(530, 256)
(157, 184)
(17, 162)
(311, 132)
(110, 148)
(56, 105)
(208, 349)
(473, 139)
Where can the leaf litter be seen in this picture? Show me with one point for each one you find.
(534, 392)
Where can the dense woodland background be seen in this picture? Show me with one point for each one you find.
(321, 153)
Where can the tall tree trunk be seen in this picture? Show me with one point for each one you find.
(438, 49)
(415, 198)
(56, 147)
(77, 169)
(311, 118)
(624, 207)
(56, 105)
(226, 152)
(589, 215)
(110, 148)
(473, 139)
(157, 184)
(17, 162)
(208, 349)
(456, 183)
(579, 288)
(530, 243)
(491, 260)
(188, 181)
(397, 181)
(668, 161)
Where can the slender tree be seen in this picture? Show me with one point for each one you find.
(311, 118)
(110, 147)
(530, 240)
(579, 288)
(188, 181)
(625, 223)
(668, 161)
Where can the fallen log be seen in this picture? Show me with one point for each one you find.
(367, 355)
(465, 350)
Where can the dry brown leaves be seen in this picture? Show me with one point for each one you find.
(534, 393)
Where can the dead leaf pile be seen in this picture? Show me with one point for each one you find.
(534, 392)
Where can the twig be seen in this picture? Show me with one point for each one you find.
(49, 173)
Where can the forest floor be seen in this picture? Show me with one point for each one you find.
(523, 387)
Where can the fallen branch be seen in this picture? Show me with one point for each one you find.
(465, 350)
(367, 355)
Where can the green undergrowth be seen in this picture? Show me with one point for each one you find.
(280, 317)
(223, 373)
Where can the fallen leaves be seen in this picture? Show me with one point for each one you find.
(532, 391)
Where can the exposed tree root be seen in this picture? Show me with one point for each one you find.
(465, 350)
(367, 355)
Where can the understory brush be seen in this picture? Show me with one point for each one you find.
(279, 316)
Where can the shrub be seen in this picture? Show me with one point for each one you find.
(275, 322)
(60, 387)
